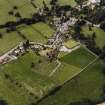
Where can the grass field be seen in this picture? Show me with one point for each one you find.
(88, 84)
(39, 32)
(71, 43)
(8, 41)
(22, 84)
(23, 5)
(72, 64)
(62, 2)
(100, 39)
(68, 2)
(21, 73)
(79, 58)
(37, 79)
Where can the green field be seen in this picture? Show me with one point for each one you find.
(30, 80)
(68, 2)
(24, 8)
(62, 2)
(79, 58)
(72, 64)
(8, 41)
(71, 43)
(100, 35)
(37, 79)
(88, 84)
(39, 32)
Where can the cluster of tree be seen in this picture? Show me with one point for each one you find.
(97, 16)
(26, 45)
(3, 102)
(55, 10)
(52, 92)
(52, 55)
(103, 70)
(11, 25)
(102, 3)
(21, 34)
(102, 56)
(86, 11)
(53, 2)
(80, 2)
(83, 102)
(14, 12)
(59, 11)
(33, 104)
(1, 35)
(32, 3)
(103, 90)
(102, 26)
(89, 41)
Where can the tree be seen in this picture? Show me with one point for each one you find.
(32, 65)
(53, 2)
(80, 2)
(3, 102)
(32, 104)
(102, 56)
(15, 7)
(102, 26)
(83, 102)
(18, 15)
(103, 70)
(1, 35)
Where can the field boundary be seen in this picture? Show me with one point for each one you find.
(90, 51)
(56, 69)
(76, 74)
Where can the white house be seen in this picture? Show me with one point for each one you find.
(94, 1)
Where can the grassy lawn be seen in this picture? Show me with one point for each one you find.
(68, 2)
(62, 2)
(72, 64)
(22, 84)
(65, 72)
(14, 95)
(36, 79)
(7, 6)
(71, 43)
(18, 3)
(31, 81)
(39, 3)
(100, 35)
(79, 58)
(88, 84)
(44, 29)
(24, 8)
(4, 9)
(9, 41)
(38, 32)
